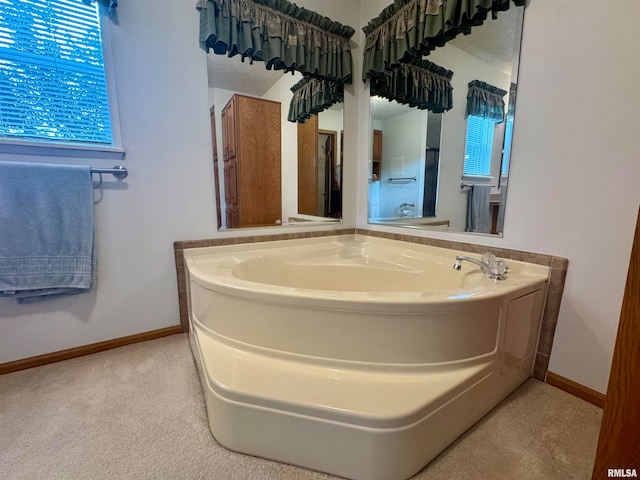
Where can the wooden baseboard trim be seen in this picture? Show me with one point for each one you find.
(580, 391)
(86, 349)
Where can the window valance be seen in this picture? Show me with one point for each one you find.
(311, 96)
(421, 84)
(412, 28)
(279, 33)
(485, 100)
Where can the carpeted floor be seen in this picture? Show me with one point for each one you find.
(137, 412)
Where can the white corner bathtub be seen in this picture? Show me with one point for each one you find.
(353, 355)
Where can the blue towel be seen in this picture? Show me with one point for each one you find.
(478, 214)
(46, 230)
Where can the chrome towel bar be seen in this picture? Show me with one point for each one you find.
(471, 185)
(119, 172)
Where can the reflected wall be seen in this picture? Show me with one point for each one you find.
(431, 147)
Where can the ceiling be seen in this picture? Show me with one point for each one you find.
(494, 41)
(233, 74)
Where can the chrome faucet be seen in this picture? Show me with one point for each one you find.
(406, 209)
(493, 268)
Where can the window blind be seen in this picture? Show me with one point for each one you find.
(479, 143)
(52, 80)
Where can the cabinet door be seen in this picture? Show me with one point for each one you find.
(231, 182)
(377, 145)
(258, 161)
(230, 129)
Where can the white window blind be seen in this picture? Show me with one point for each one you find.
(52, 79)
(479, 143)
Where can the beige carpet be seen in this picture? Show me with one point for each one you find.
(137, 413)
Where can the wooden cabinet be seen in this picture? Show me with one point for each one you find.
(376, 155)
(252, 157)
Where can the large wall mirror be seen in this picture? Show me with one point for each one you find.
(450, 170)
(270, 171)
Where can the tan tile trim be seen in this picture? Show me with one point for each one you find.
(557, 274)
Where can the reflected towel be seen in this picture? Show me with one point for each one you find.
(46, 230)
(478, 214)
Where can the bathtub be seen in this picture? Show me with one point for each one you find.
(353, 355)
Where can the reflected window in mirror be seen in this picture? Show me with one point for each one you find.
(478, 146)
(490, 53)
(485, 127)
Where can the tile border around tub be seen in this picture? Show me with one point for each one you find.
(557, 274)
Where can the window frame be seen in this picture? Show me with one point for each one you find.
(115, 151)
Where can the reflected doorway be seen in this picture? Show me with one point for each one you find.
(318, 170)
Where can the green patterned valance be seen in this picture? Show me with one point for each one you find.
(484, 100)
(279, 33)
(421, 84)
(412, 28)
(311, 96)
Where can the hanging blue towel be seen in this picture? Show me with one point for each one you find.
(478, 214)
(46, 230)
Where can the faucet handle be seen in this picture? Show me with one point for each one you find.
(488, 258)
(498, 267)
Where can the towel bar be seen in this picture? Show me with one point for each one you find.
(119, 172)
(401, 179)
(471, 185)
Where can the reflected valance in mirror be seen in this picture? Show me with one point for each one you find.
(485, 101)
(311, 96)
(421, 84)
